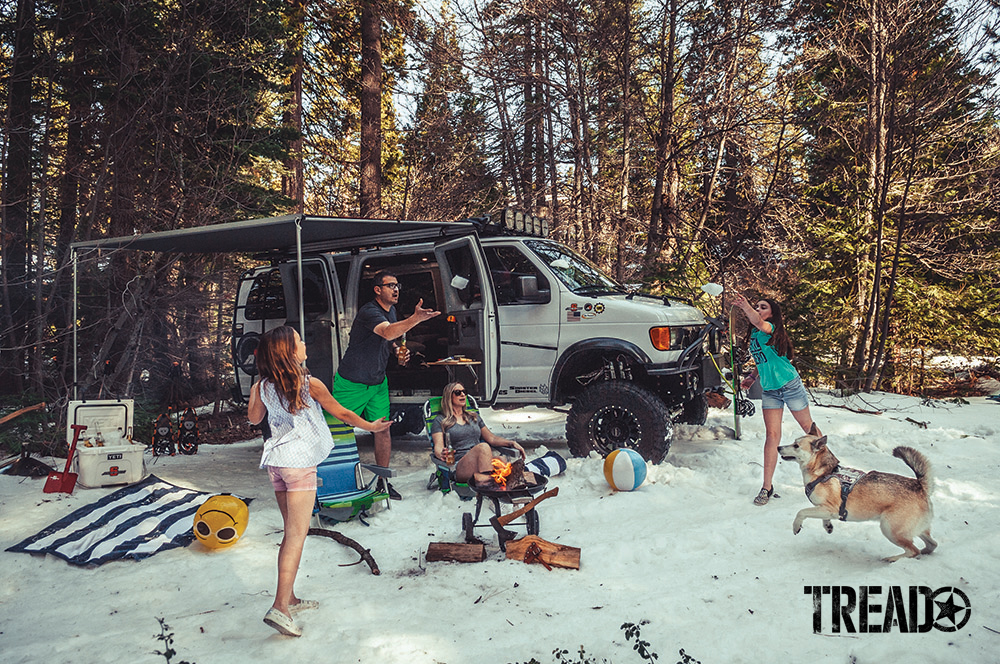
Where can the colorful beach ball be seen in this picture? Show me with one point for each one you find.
(624, 469)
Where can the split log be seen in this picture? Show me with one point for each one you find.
(717, 400)
(456, 552)
(365, 554)
(549, 553)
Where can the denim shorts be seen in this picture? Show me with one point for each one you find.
(792, 394)
(292, 479)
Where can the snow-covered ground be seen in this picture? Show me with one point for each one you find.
(687, 553)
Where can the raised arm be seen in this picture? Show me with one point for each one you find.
(752, 315)
(390, 331)
(256, 410)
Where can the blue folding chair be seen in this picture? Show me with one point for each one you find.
(343, 492)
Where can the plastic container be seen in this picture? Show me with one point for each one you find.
(111, 464)
(105, 454)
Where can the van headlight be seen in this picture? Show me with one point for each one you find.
(672, 338)
(663, 338)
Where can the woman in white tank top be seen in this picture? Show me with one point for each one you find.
(294, 402)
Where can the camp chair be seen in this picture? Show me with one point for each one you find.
(443, 476)
(343, 492)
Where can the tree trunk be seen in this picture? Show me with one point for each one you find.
(371, 109)
(16, 204)
(293, 181)
(664, 213)
(876, 138)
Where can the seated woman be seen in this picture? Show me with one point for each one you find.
(473, 458)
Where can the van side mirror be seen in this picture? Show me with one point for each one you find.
(527, 290)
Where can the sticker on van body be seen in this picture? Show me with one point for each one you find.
(575, 313)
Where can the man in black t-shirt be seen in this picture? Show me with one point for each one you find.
(361, 384)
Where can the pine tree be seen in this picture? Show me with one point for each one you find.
(445, 151)
(897, 109)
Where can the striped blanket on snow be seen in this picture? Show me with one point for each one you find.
(136, 522)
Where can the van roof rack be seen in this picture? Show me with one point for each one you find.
(511, 222)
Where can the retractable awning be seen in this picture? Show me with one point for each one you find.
(291, 235)
(283, 235)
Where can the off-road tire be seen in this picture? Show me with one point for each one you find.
(695, 411)
(614, 414)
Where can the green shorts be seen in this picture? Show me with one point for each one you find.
(369, 401)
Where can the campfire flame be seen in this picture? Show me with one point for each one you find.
(500, 472)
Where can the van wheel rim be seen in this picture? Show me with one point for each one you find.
(613, 427)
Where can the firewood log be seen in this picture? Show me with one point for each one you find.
(516, 478)
(456, 552)
(555, 555)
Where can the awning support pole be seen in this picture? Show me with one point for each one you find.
(298, 265)
(75, 363)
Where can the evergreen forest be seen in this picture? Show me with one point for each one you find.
(842, 157)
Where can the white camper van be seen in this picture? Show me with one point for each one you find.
(524, 321)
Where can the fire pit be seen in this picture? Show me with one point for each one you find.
(508, 484)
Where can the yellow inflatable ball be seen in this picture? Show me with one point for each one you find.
(220, 521)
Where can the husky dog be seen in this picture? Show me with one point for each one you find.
(901, 504)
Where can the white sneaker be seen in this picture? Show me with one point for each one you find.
(281, 622)
(303, 605)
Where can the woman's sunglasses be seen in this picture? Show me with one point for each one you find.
(460, 393)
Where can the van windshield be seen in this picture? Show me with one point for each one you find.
(579, 274)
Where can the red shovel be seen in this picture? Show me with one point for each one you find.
(65, 481)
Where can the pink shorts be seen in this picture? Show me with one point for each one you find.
(292, 479)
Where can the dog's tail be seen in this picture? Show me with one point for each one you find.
(919, 464)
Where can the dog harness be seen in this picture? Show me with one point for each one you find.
(847, 477)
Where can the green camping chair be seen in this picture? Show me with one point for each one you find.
(343, 493)
(443, 476)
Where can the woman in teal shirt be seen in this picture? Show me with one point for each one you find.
(772, 351)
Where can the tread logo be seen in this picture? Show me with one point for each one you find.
(906, 610)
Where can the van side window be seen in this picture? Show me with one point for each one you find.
(343, 270)
(463, 265)
(316, 298)
(266, 299)
(507, 264)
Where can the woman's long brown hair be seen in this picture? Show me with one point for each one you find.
(446, 410)
(779, 340)
(276, 362)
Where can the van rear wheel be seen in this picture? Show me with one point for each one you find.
(615, 414)
(695, 411)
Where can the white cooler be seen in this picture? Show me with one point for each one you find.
(105, 454)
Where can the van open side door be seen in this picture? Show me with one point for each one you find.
(320, 304)
(469, 308)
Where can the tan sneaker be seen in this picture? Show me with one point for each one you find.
(764, 496)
